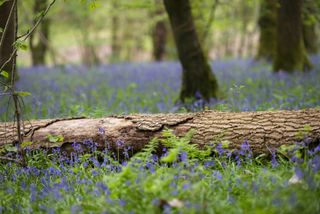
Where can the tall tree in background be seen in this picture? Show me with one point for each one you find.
(115, 37)
(39, 38)
(291, 54)
(197, 76)
(311, 16)
(268, 29)
(8, 36)
(159, 34)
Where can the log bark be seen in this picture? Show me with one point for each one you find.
(263, 130)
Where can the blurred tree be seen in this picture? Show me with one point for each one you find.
(81, 17)
(268, 29)
(290, 54)
(159, 34)
(115, 37)
(311, 16)
(38, 40)
(8, 37)
(197, 77)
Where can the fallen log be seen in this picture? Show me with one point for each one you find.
(263, 130)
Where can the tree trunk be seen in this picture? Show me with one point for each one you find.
(263, 130)
(291, 54)
(8, 13)
(197, 76)
(115, 38)
(159, 34)
(268, 29)
(311, 15)
(39, 38)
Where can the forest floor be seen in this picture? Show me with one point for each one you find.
(182, 179)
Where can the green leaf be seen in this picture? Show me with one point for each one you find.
(55, 139)
(23, 93)
(1, 29)
(5, 74)
(25, 144)
(172, 156)
(3, 1)
(20, 45)
(10, 148)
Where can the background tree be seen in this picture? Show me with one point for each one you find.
(197, 76)
(268, 29)
(291, 54)
(311, 17)
(38, 41)
(8, 36)
(115, 37)
(159, 34)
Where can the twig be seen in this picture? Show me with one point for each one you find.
(2, 158)
(30, 31)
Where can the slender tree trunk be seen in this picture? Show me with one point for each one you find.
(311, 15)
(39, 38)
(159, 34)
(115, 38)
(197, 75)
(291, 54)
(8, 14)
(268, 29)
(263, 130)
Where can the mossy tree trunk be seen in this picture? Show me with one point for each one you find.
(311, 16)
(290, 54)
(38, 41)
(268, 29)
(8, 36)
(159, 34)
(197, 75)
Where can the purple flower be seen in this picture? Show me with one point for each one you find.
(315, 163)
(217, 175)
(119, 143)
(208, 163)
(101, 131)
(184, 157)
(299, 173)
(274, 162)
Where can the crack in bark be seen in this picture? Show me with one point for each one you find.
(161, 126)
(33, 130)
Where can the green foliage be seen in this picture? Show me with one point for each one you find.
(21, 45)
(50, 183)
(5, 74)
(55, 139)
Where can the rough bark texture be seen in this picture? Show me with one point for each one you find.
(268, 29)
(290, 52)
(197, 76)
(8, 37)
(39, 38)
(159, 34)
(263, 130)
